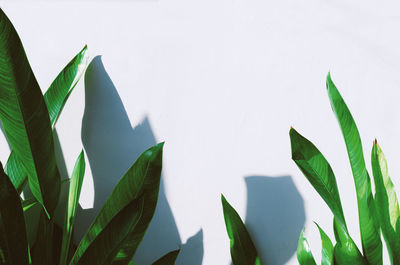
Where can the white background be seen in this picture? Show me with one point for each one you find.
(221, 81)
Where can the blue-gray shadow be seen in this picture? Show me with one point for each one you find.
(111, 146)
(275, 217)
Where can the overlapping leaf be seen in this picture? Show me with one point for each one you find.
(304, 255)
(168, 259)
(243, 251)
(327, 248)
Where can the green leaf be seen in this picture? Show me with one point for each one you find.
(73, 200)
(327, 248)
(55, 98)
(42, 251)
(243, 251)
(369, 227)
(345, 250)
(168, 259)
(25, 118)
(386, 203)
(13, 241)
(304, 255)
(317, 170)
(138, 186)
(28, 203)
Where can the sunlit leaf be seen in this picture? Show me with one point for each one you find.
(327, 248)
(304, 255)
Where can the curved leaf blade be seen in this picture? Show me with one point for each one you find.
(243, 251)
(73, 200)
(327, 247)
(317, 170)
(369, 227)
(55, 97)
(386, 203)
(168, 259)
(304, 255)
(140, 183)
(25, 118)
(14, 243)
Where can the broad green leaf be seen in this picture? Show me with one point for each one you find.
(327, 248)
(168, 259)
(42, 251)
(73, 200)
(317, 170)
(139, 184)
(55, 98)
(28, 203)
(13, 241)
(25, 118)
(304, 255)
(345, 250)
(386, 203)
(369, 227)
(243, 251)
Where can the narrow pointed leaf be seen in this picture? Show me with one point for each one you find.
(140, 184)
(13, 241)
(304, 255)
(55, 98)
(168, 259)
(42, 251)
(73, 200)
(29, 203)
(25, 118)
(369, 227)
(243, 251)
(327, 248)
(317, 170)
(387, 203)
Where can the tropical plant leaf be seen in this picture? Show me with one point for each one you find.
(369, 227)
(168, 259)
(317, 170)
(13, 241)
(304, 255)
(28, 203)
(55, 98)
(243, 251)
(42, 251)
(327, 247)
(386, 203)
(73, 200)
(138, 186)
(25, 118)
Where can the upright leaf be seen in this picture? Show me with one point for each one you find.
(387, 203)
(317, 170)
(243, 251)
(168, 259)
(25, 118)
(304, 255)
(139, 185)
(73, 200)
(42, 251)
(13, 241)
(327, 248)
(369, 227)
(55, 97)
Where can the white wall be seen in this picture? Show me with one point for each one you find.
(221, 81)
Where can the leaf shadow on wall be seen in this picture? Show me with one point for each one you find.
(111, 146)
(275, 217)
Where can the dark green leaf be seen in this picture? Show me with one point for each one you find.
(243, 251)
(29, 203)
(25, 118)
(42, 251)
(387, 203)
(304, 255)
(13, 241)
(369, 227)
(168, 259)
(139, 185)
(73, 200)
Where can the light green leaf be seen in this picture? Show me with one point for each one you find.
(317, 170)
(138, 186)
(168, 259)
(55, 98)
(304, 255)
(243, 251)
(327, 247)
(386, 203)
(25, 118)
(28, 203)
(13, 241)
(73, 200)
(369, 227)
